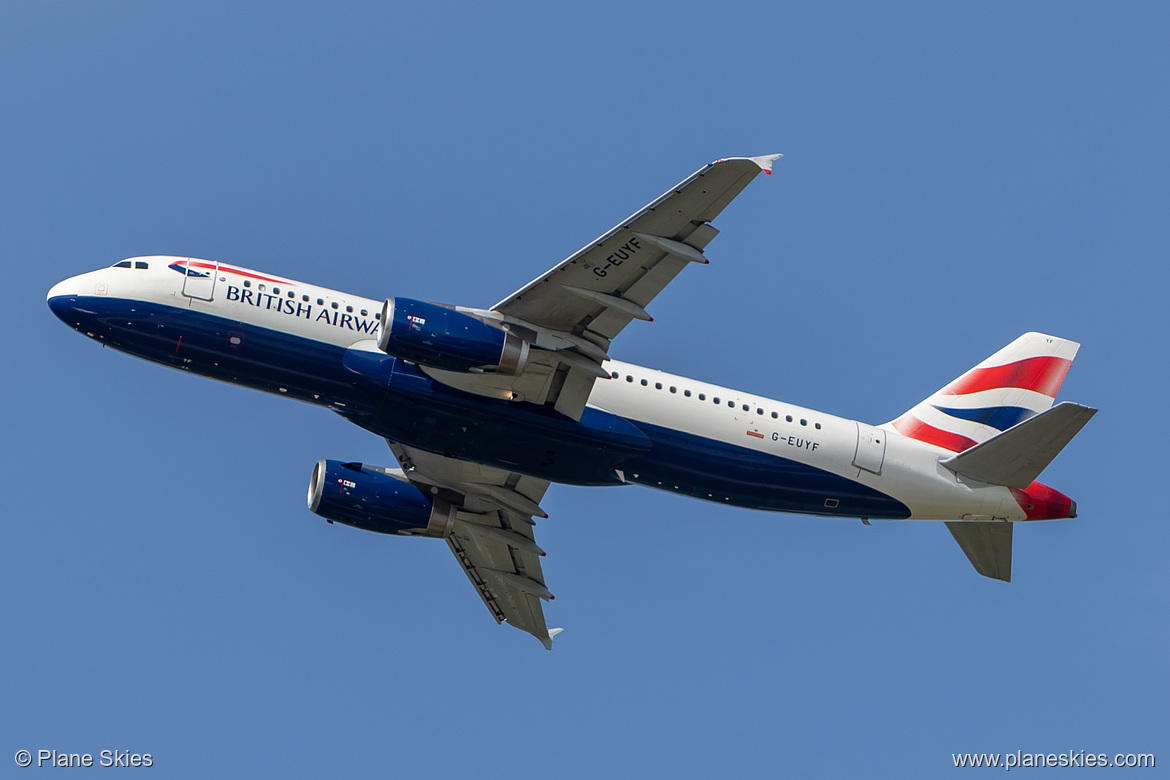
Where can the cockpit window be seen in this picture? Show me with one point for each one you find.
(142, 265)
(123, 264)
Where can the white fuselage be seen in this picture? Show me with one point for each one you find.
(878, 458)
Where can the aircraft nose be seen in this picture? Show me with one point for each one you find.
(62, 296)
(67, 287)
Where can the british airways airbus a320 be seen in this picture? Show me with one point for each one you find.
(484, 408)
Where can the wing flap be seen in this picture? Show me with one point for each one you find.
(575, 393)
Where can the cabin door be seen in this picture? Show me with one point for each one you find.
(199, 281)
(871, 448)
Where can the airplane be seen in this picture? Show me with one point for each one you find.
(484, 408)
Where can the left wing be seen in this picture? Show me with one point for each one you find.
(570, 314)
(596, 291)
(488, 513)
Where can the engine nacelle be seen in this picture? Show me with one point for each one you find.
(370, 499)
(438, 337)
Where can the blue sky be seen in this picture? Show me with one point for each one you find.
(954, 175)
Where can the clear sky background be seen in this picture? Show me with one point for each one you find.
(954, 175)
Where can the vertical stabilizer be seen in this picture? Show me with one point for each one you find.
(1013, 385)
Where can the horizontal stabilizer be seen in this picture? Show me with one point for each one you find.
(1017, 456)
(988, 546)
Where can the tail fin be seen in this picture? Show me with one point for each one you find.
(1013, 385)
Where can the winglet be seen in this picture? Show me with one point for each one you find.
(765, 162)
(547, 641)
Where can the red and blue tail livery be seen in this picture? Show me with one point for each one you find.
(484, 408)
(1016, 383)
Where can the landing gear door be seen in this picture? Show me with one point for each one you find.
(871, 448)
(199, 281)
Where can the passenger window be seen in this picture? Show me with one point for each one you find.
(687, 393)
(675, 390)
(320, 301)
(364, 313)
(759, 411)
(818, 426)
(657, 385)
(746, 408)
(613, 375)
(715, 400)
(804, 422)
(275, 290)
(349, 309)
(731, 404)
(292, 294)
(702, 396)
(247, 282)
(788, 418)
(334, 304)
(775, 415)
(123, 264)
(305, 298)
(644, 383)
(629, 378)
(262, 287)
(142, 265)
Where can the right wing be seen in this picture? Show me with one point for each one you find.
(488, 514)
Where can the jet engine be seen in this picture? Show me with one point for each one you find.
(438, 337)
(368, 498)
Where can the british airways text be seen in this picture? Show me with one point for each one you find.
(294, 308)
